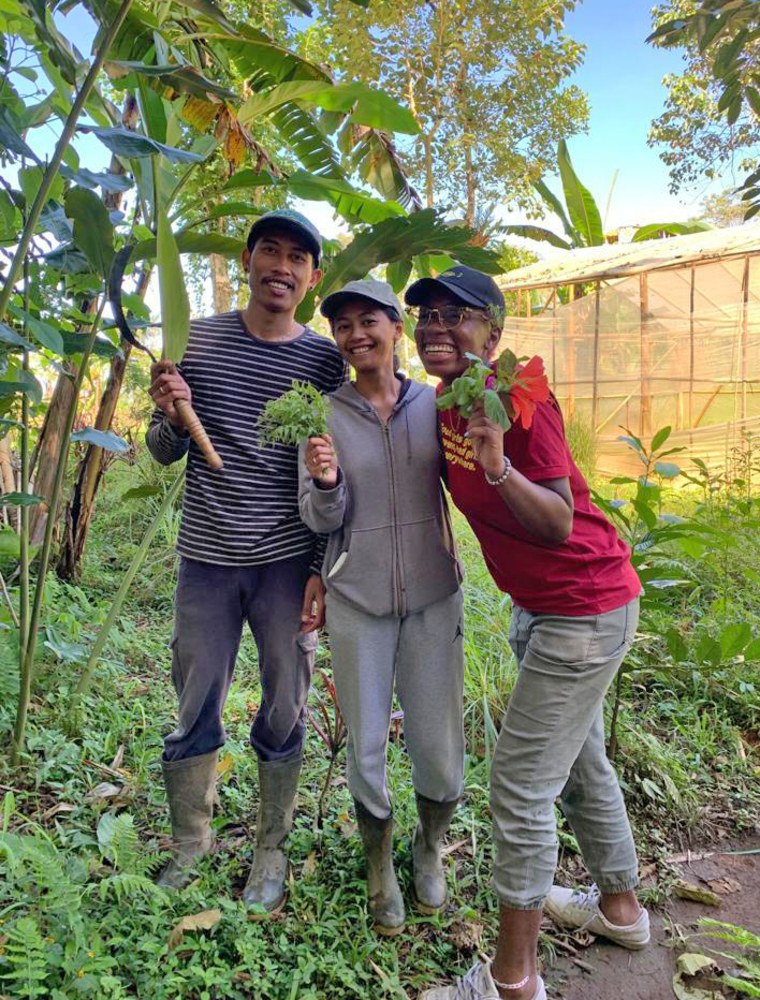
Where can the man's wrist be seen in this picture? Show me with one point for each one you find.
(177, 425)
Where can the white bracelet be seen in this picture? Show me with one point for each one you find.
(503, 477)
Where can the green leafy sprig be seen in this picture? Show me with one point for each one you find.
(300, 413)
(481, 384)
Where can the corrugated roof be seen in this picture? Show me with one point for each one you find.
(621, 260)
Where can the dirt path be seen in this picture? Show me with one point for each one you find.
(648, 975)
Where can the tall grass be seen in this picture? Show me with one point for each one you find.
(583, 444)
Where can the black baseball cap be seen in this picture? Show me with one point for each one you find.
(288, 218)
(368, 288)
(471, 286)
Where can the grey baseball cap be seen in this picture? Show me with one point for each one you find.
(288, 218)
(368, 288)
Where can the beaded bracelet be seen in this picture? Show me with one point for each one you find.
(503, 477)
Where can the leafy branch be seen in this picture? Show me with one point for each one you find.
(300, 413)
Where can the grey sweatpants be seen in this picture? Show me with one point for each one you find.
(552, 743)
(423, 652)
(211, 604)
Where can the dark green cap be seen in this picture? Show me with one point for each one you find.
(379, 292)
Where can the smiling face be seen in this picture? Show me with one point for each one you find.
(442, 350)
(366, 335)
(280, 270)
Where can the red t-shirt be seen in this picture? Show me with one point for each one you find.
(588, 574)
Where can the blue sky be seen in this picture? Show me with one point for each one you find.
(622, 76)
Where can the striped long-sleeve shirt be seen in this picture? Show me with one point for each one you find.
(246, 513)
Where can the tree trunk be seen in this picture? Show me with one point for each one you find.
(221, 284)
(472, 186)
(81, 505)
(429, 177)
(49, 444)
(7, 476)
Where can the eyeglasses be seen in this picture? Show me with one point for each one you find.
(449, 317)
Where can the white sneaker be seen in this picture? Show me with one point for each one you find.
(477, 984)
(578, 909)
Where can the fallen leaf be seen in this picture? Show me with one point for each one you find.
(689, 965)
(347, 825)
(466, 934)
(117, 761)
(202, 921)
(458, 845)
(725, 885)
(582, 938)
(59, 807)
(688, 992)
(225, 765)
(687, 890)
(309, 865)
(691, 962)
(105, 790)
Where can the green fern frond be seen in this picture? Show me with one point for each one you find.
(38, 871)
(120, 844)
(25, 957)
(48, 869)
(128, 888)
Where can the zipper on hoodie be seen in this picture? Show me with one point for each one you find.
(399, 587)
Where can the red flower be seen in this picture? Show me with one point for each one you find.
(529, 388)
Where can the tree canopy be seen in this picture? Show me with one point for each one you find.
(487, 83)
(712, 112)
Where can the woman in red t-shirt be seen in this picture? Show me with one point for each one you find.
(575, 610)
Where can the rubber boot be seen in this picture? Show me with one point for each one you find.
(429, 877)
(190, 786)
(278, 781)
(385, 902)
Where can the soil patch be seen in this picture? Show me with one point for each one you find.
(607, 972)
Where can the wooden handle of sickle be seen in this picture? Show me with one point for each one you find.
(196, 431)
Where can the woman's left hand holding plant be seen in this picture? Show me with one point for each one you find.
(321, 461)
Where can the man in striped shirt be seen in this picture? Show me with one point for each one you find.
(245, 553)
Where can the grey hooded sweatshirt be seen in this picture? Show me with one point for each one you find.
(390, 549)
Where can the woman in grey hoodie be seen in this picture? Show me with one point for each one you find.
(393, 604)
